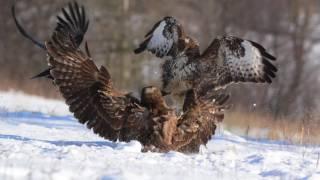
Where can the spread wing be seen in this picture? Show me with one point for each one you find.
(230, 59)
(73, 23)
(72, 26)
(90, 95)
(162, 39)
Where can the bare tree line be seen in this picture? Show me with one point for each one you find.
(289, 28)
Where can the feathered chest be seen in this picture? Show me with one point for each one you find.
(178, 74)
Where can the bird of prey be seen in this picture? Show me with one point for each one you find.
(115, 115)
(73, 22)
(227, 60)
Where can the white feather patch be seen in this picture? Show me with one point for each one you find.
(158, 42)
(250, 63)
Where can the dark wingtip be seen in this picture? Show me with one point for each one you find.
(143, 46)
(263, 51)
(87, 49)
(269, 65)
(152, 29)
(139, 50)
(267, 78)
(45, 73)
(269, 56)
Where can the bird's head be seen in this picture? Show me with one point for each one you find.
(151, 97)
(173, 26)
(170, 21)
(150, 90)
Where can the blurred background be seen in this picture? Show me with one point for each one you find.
(289, 29)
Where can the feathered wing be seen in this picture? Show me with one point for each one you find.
(90, 95)
(163, 39)
(72, 25)
(230, 59)
(93, 100)
(199, 121)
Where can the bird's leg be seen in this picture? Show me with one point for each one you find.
(165, 127)
(169, 128)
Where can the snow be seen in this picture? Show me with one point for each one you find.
(13, 101)
(39, 139)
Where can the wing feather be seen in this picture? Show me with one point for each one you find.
(73, 23)
(93, 100)
(89, 92)
(153, 29)
(162, 40)
(236, 60)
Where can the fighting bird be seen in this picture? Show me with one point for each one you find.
(73, 22)
(116, 115)
(227, 60)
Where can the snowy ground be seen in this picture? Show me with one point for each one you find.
(39, 139)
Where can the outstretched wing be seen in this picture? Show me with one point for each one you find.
(90, 95)
(230, 59)
(73, 24)
(162, 39)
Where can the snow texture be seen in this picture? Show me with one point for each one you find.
(39, 139)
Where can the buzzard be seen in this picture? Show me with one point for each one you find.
(115, 115)
(227, 60)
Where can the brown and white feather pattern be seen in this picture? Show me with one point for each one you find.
(162, 39)
(227, 60)
(90, 95)
(230, 59)
(114, 115)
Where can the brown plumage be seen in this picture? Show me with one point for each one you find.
(151, 97)
(90, 94)
(72, 24)
(227, 60)
(114, 115)
(200, 118)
